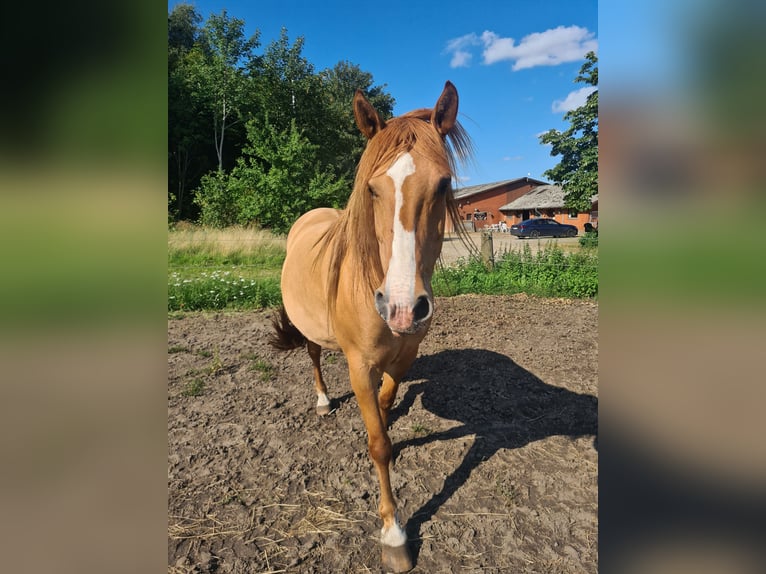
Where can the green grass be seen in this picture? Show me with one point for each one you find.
(263, 368)
(234, 288)
(177, 349)
(194, 388)
(548, 273)
(235, 268)
(420, 430)
(216, 364)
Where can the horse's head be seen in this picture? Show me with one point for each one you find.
(409, 179)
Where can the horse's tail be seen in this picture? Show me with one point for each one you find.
(286, 335)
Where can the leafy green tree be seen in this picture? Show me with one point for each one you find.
(207, 93)
(286, 87)
(283, 178)
(183, 31)
(577, 172)
(261, 126)
(186, 128)
(221, 73)
(277, 179)
(339, 84)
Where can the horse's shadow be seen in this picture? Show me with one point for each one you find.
(501, 403)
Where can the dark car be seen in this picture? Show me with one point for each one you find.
(542, 227)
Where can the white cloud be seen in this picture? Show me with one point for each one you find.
(461, 57)
(573, 100)
(549, 48)
(462, 42)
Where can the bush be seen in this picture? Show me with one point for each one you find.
(589, 239)
(275, 181)
(548, 273)
(218, 199)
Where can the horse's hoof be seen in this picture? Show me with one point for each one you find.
(396, 559)
(323, 410)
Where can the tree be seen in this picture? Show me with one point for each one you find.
(183, 31)
(186, 128)
(221, 73)
(281, 178)
(256, 110)
(339, 84)
(286, 87)
(577, 172)
(277, 179)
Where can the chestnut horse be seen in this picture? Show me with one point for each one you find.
(359, 279)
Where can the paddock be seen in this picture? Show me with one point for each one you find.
(497, 475)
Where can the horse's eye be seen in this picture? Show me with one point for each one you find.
(372, 191)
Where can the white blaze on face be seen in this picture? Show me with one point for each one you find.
(400, 278)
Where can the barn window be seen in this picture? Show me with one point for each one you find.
(573, 214)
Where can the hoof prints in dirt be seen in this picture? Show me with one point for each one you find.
(494, 436)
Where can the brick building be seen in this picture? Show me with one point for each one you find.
(548, 201)
(479, 205)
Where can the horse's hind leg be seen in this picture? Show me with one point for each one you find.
(323, 403)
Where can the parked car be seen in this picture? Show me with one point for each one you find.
(540, 227)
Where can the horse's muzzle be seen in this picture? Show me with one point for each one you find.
(404, 318)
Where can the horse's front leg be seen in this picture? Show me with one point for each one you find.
(364, 381)
(391, 378)
(386, 397)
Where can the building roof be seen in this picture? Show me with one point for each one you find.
(471, 190)
(541, 197)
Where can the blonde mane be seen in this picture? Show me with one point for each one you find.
(353, 235)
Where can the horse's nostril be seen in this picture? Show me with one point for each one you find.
(381, 304)
(422, 309)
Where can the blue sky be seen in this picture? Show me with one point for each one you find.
(513, 62)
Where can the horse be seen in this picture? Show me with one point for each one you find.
(359, 279)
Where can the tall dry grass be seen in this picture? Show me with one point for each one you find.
(192, 244)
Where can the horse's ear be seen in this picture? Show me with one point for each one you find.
(444, 116)
(367, 118)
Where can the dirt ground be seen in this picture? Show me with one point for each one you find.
(494, 432)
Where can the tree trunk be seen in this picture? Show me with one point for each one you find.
(182, 161)
(219, 140)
